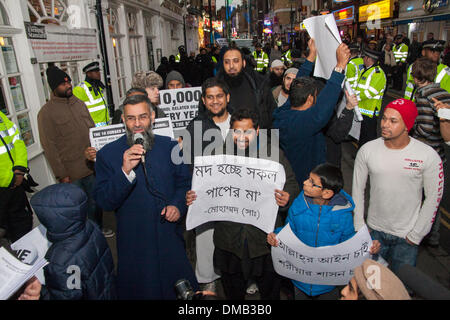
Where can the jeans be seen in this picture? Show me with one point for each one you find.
(95, 213)
(395, 250)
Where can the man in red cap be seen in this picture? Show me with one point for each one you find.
(400, 169)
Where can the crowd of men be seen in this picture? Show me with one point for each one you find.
(243, 93)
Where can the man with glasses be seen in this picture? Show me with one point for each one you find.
(146, 189)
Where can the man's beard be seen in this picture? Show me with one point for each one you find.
(210, 114)
(148, 135)
(285, 90)
(234, 81)
(275, 80)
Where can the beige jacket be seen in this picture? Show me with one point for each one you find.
(64, 125)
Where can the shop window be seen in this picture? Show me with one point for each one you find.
(48, 11)
(134, 40)
(119, 63)
(12, 100)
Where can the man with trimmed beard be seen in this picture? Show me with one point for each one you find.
(215, 119)
(64, 123)
(281, 93)
(241, 252)
(146, 189)
(248, 88)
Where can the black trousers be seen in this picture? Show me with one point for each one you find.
(397, 77)
(368, 130)
(14, 215)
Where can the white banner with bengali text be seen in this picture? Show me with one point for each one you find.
(328, 265)
(237, 189)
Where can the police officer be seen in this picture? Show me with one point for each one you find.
(181, 53)
(14, 218)
(400, 54)
(370, 88)
(90, 91)
(431, 49)
(286, 55)
(261, 58)
(355, 65)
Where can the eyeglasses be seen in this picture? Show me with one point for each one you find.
(141, 117)
(313, 184)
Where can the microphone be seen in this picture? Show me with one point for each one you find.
(422, 284)
(139, 139)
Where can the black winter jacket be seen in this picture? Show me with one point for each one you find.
(80, 265)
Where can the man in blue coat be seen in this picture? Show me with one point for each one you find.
(302, 118)
(146, 189)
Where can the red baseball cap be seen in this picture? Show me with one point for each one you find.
(407, 110)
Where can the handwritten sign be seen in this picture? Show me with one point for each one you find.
(329, 265)
(180, 105)
(237, 189)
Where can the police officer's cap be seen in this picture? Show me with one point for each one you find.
(354, 46)
(258, 45)
(437, 45)
(371, 53)
(94, 66)
(399, 36)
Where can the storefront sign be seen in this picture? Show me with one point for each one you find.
(377, 10)
(345, 14)
(62, 44)
(34, 31)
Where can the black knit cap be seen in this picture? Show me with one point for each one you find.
(56, 76)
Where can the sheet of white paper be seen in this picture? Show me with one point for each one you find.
(32, 247)
(237, 189)
(329, 265)
(101, 136)
(180, 105)
(326, 43)
(163, 127)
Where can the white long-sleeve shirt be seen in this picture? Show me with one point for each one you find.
(397, 179)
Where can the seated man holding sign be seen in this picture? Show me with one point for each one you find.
(241, 251)
(322, 215)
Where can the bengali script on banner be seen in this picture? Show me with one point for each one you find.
(237, 189)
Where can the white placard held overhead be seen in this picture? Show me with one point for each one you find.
(329, 265)
(237, 189)
(323, 29)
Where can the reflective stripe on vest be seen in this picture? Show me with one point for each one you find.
(441, 75)
(10, 145)
(92, 101)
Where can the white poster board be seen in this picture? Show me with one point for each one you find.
(101, 136)
(237, 189)
(326, 37)
(181, 106)
(329, 265)
(32, 247)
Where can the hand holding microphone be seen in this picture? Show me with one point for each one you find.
(133, 155)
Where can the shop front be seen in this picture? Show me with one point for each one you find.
(418, 19)
(376, 18)
(345, 18)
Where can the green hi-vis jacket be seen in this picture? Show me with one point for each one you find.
(262, 60)
(94, 102)
(442, 77)
(370, 90)
(354, 69)
(11, 135)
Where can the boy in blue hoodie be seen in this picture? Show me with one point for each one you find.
(322, 215)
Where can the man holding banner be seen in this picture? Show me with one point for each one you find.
(241, 252)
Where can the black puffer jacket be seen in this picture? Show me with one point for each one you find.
(80, 262)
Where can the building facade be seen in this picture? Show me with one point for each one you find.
(37, 33)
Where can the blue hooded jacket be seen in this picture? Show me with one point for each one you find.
(78, 247)
(301, 136)
(321, 225)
